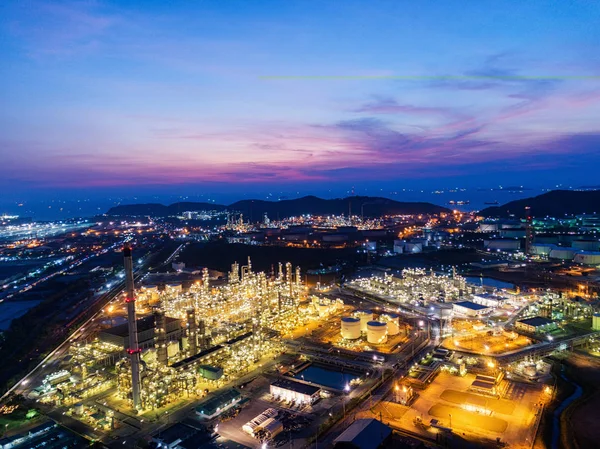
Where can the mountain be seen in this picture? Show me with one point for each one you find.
(255, 209)
(556, 203)
(160, 210)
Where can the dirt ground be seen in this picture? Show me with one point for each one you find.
(583, 418)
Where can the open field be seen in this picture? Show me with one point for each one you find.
(495, 405)
(465, 420)
(483, 343)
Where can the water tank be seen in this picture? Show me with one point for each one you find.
(488, 227)
(588, 258)
(541, 249)
(586, 245)
(393, 323)
(502, 244)
(563, 253)
(350, 328)
(174, 287)
(365, 316)
(376, 332)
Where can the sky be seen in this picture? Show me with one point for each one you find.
(108, 98)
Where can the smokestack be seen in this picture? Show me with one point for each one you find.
(133, 351)
(160, 337)
(192, 332)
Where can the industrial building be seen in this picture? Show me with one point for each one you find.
(293, 391)
(470, 309)
(536, 325)
(489, 300)
(218, 404)
(365, 434)
(119, 335)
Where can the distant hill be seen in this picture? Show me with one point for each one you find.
(255, 209)
(556, 203)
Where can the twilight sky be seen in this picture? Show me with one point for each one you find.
(107, 96)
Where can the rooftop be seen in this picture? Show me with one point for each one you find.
(143, 324)
(218, 402)
(470, 305)
(365, 433)
(298, 387)
(536, 321)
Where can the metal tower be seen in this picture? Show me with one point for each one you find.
(528, 231)
(133, 351)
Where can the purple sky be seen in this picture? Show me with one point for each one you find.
(251, 96)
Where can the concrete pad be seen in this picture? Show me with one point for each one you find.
(496, 405)
(463, 419)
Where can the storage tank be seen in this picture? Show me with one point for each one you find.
(502, 244)
(588, 258)
(174, 287)
(586, 245)
(488, 227)
(393, 323)
(413, 247)
(563, 253)
(365, 316)
(350, 328)
(173, 349)
(541, 249)
(376, 332)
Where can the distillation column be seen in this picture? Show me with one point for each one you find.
(192, 332)
(160, 337)
(133, 351)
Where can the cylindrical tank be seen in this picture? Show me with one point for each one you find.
(376, 332)
(174, 287)
(151, 291)
(365, 316)
(563, 253)
(350, 328)
(586, 245)
(588, 258)
(393, 323)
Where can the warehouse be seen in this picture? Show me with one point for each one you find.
(218, 404)
(293, 391)
(470, 309)
(536, 325)
(489, 300)
(365, 434)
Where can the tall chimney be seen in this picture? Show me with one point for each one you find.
(133, 351)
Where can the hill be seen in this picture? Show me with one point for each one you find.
(556, 203)
(255, 209)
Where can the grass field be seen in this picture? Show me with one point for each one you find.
(467, 420)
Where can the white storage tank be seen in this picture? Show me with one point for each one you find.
(151, 291)
(488, 227)
(393, 323)
(586, 245)
(588, 258)
(376, 332)
(413, 247)
(563, 253)
(174, 287)
(350, 328)
(365, 316)
(502, 244)
(541, 249)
